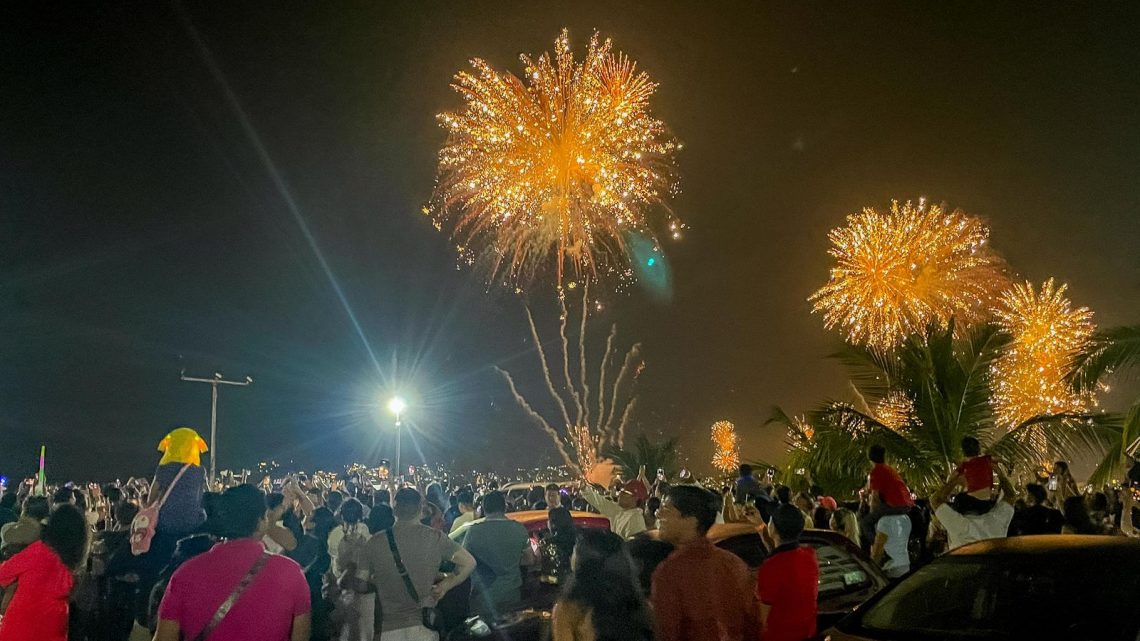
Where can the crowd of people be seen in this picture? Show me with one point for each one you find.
(313, 557)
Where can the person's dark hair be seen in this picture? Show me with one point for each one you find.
(113, 493)
(125, 512)
(466, 497)
(560, 520)
(1077, 516)
(647, 554)
(694, 501)
(452, 502)
(553, 486)
(877, 454)
(971, 447)
(784, 494)
(821, 518)
(745, 469)
(274, 500)
(351, 512)
(408, 503)
(8, 501)
(788, 521)
(380, 519)
(240, 510)
(971, 505)
(652, 505)
(66, 533)
(334, 500)
(80, 500)
(62, 495)
(435, 495)
(604, 583)
(1038, 493)
(382, 497)
(1060, 466)
(537, 494)
(323, 522)
(36, 507)
(494, 503)
(1098, 502)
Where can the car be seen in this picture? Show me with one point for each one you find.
(847, 577)
(1062, 587)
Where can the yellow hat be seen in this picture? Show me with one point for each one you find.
(183, 445)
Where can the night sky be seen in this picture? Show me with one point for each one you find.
(143, 231)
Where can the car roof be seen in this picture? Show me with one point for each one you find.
(533, 516)
(1054, 544)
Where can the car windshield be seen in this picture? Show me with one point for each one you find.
(839, 571)
(1010, 597)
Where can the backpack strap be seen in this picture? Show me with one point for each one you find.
(166, 494)
(226, 605)
(411, 589)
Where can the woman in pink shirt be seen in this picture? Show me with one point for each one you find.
(267, 596)
(42, 574)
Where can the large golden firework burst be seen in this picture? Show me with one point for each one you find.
(900, 271)
(564, 165)
(1046, 334)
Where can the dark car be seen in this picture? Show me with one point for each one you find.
(1063, 587)
(846, 576)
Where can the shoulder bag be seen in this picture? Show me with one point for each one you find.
(144, 523)
(226, 605)
(430, 616)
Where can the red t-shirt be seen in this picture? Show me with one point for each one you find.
(264, 611)
(978, 472)
(886, 480)
(788, 582)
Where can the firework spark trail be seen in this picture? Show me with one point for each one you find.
(625, 420)
(558, 441)
(602, 375)
(566, 361)
(629, 358)
(546, 369)
(561, 163)
(582, 357)
(275, 175)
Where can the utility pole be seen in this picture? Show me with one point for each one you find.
(214, 383)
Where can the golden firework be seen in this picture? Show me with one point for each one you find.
(895, 410)
(898, 272)
(1046, 335)
(727, 455)
(585, 447)
(564, 165)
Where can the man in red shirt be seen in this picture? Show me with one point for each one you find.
(788, 582)
(700, 593)
(885, 480)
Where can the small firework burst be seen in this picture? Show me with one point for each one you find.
(727, 455)
(895, 410)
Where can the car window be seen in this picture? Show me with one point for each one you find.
(839, 571)
(1015, 597)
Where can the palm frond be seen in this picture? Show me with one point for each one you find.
(1113, 348)
(1116, 459)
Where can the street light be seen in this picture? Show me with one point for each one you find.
(397, 406)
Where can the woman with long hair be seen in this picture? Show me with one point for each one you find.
(43, 576)
(1077, 518)
(557, 547)
(602, 600)
(845, 522)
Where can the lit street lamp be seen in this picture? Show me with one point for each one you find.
(397, 406)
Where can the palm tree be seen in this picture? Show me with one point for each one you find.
(645, 453)
(919, 401)
(1113, 350)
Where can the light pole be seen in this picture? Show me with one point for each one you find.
(214, 383)
(397, 406)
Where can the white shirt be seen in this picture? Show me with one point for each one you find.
(897, 529)
(624, 523)
(964, 529)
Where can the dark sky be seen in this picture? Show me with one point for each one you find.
(142, 232)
